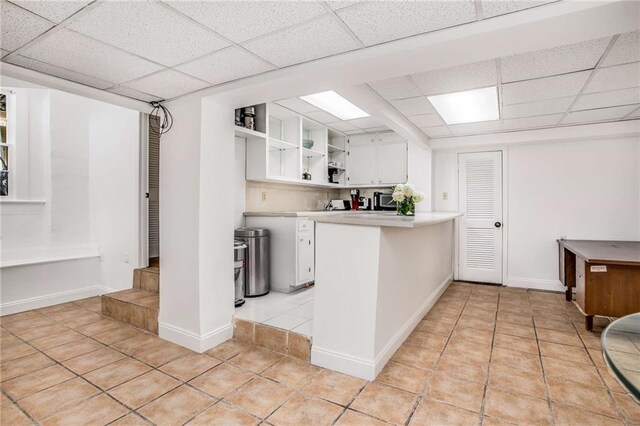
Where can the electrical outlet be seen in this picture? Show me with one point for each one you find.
(445, 196)
(126, 257)
(264, 196)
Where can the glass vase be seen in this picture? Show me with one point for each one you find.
(406, 208)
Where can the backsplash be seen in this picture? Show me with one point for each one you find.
(345, 194)
(283, 197)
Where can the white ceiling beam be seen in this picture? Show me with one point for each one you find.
(367, 99)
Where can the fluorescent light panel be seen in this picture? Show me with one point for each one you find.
(470, 106)
(335, 104)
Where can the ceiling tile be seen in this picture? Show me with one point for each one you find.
(19, 26)
(395, 88)
(437, 132)
(457, 79)
(322, 117)
(316, 39)
(608, 99)
(381, 21)
(626, 49)
(3, 52)
(240, 21)
(148, 29)
(354, 132)
(413, 106)
(342, 126)
(56, 11)
(297, 105)
(529, 109)
(338, 4)
(45, 68)
(618, 77)
(134, 94)
(377, 129)
(531, 122)
(475, 128)
(167, 84)
(75, 52)
(595, 115)
(635, 114)
(544, 88)
(492, 8)
(427, 120)
(365, 123)
(557, 60)
(224, 65)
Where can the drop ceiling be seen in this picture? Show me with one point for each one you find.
(588, 82)
(150, 50)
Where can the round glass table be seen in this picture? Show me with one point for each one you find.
(621, 350)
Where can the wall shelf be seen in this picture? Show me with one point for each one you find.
(278, 144)
(244, 132)
(311, 153)
(333, 148)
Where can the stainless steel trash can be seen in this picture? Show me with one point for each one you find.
(257, 281)
(239, 256)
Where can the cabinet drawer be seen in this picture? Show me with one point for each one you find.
(305, 224)
(580, 265)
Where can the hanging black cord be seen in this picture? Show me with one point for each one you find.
(160, 119)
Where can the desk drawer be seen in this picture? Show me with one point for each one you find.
(580, 265)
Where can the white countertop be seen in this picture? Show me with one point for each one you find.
(390, 219)
(367, 217)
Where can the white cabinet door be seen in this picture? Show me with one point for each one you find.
(392, 163)
(306, 257)
(362, 164)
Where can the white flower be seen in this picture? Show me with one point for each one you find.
(409, 190)
(418, 197)
(398, 197)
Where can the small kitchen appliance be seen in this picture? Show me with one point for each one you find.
(383, 201)
(364, 203)
(355, 198)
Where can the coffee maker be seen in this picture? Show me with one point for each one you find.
(355, 198)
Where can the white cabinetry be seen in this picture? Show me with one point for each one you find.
(377, 159)
(292, 250)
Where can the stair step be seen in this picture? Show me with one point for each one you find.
(134, 306)
(147, 279)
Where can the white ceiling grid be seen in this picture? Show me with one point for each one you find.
(120, 42)
(588, 82)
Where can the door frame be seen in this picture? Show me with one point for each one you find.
(143, 189)
(505, 203)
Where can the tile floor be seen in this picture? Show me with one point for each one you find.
(483, 355)
(288, 311)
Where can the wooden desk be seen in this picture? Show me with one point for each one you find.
(606, 275)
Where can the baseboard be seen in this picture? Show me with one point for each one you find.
(535, 284)
(398, 339)
(369, 369)
(192, 340)
(52, 299)
(347, 364)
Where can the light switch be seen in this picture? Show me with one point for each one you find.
(445, 196)
(264, 196)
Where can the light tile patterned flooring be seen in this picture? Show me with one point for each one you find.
(292, 311)
(482, 355)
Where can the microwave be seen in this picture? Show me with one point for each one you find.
(383, 201)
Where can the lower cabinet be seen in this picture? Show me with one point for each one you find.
(292, 250)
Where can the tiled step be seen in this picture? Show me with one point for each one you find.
(276, 339)
(136, 306)
(147, 279)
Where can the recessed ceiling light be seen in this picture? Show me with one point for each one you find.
(335, 104)
(469, 106)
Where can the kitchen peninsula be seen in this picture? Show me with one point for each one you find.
(377, 275)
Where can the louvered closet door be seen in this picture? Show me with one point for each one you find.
(480, 231)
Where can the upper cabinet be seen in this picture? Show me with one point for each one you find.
(288, 148)
(377, 159)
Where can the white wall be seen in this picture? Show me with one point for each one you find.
(78, 192)
(419, 168)
(197, 199)
(114, 187)
(579, 189)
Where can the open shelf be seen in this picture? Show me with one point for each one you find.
(278, 144)
(244, 132)
(311, 153)
(333, 148)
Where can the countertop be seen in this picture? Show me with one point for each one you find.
(624, 252)
(308, 213)
(390, 219)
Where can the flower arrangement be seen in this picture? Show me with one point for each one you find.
(406, 196)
